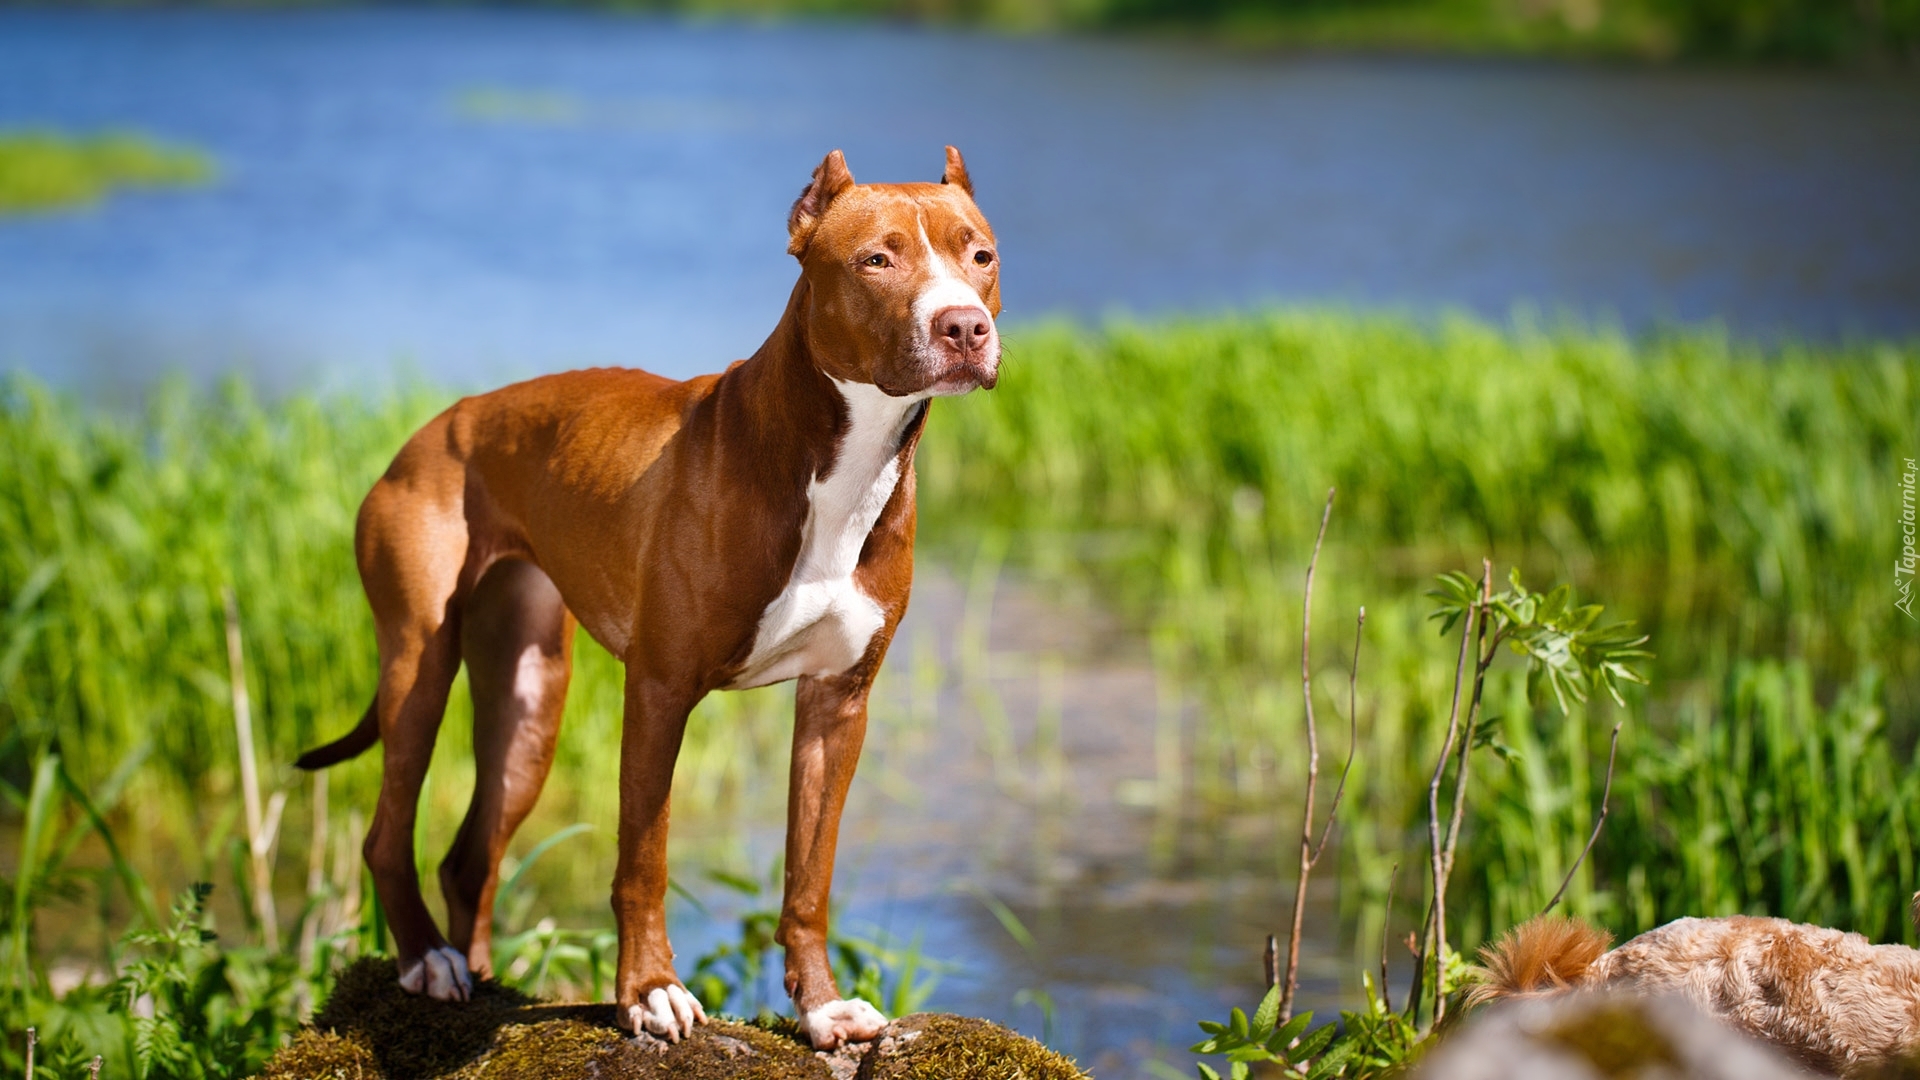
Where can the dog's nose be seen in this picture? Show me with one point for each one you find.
(964, 329)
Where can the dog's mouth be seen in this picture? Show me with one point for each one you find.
(961, 378)
(949, 380)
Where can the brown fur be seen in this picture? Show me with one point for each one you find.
(1832, 1000)
(1541, 955)
(664, 517)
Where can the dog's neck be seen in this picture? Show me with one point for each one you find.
(794, 412)
(856, 444)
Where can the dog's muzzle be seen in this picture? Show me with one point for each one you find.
(966, 349)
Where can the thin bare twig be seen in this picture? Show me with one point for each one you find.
(1606, 793)
(260, 827)
(1272, 961)
(1307, 854)
(1437, 917)
(1386, 926)
(33, 1036)
(1482, 660)
(1417, 948)
(93, 1070)
(1353, 735)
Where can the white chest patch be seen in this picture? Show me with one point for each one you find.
(821, 623)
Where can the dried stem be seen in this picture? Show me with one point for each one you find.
(1307, 853)
(316, 912)
(259, 830)
(1606, 793)
(33, 1037)
(1272, 961)
(1386, 926)
(93, 1070)
(1353, 735)
(1437, 917)
(316, 872)
(1482, 660)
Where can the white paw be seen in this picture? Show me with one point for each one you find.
(669, 1012)
(849, 1020)
(441, 975)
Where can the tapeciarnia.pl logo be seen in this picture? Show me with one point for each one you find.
(1903, 567)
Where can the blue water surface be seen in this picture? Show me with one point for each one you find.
(473, 195)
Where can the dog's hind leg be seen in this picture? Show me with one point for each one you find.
(517, 639)
(412, 549)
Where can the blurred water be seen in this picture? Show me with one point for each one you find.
(473, 195)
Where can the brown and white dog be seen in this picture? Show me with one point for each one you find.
(1831, 1000)
(721, 533)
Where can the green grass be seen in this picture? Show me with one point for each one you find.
(1737, 500)
(43, 171)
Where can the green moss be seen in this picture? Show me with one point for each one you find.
(370, 1029)
(940, 1046)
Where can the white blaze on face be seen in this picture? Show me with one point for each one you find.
(945, 288)
(821, 623)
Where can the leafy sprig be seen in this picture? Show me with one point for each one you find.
(1568, 650)
(1316, 1055)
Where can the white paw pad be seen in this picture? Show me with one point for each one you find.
(849, 1020)
(669, 1012)
(441, 975)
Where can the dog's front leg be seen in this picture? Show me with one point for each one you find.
(651, 998)
(830, 722)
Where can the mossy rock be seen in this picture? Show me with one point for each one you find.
(370, 1029)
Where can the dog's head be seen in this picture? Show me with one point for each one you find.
(901, 281)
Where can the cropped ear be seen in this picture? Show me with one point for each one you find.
(956, 173)
(829, 180)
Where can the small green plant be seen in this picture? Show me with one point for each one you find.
(200, 1012)
(1568, 651)
(1316, 1055)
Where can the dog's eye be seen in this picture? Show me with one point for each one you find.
(876, 260)
(983, 256)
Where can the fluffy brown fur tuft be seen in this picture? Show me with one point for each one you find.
(1544, 954)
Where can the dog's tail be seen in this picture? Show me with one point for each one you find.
(1543, 954)
(350, 745)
